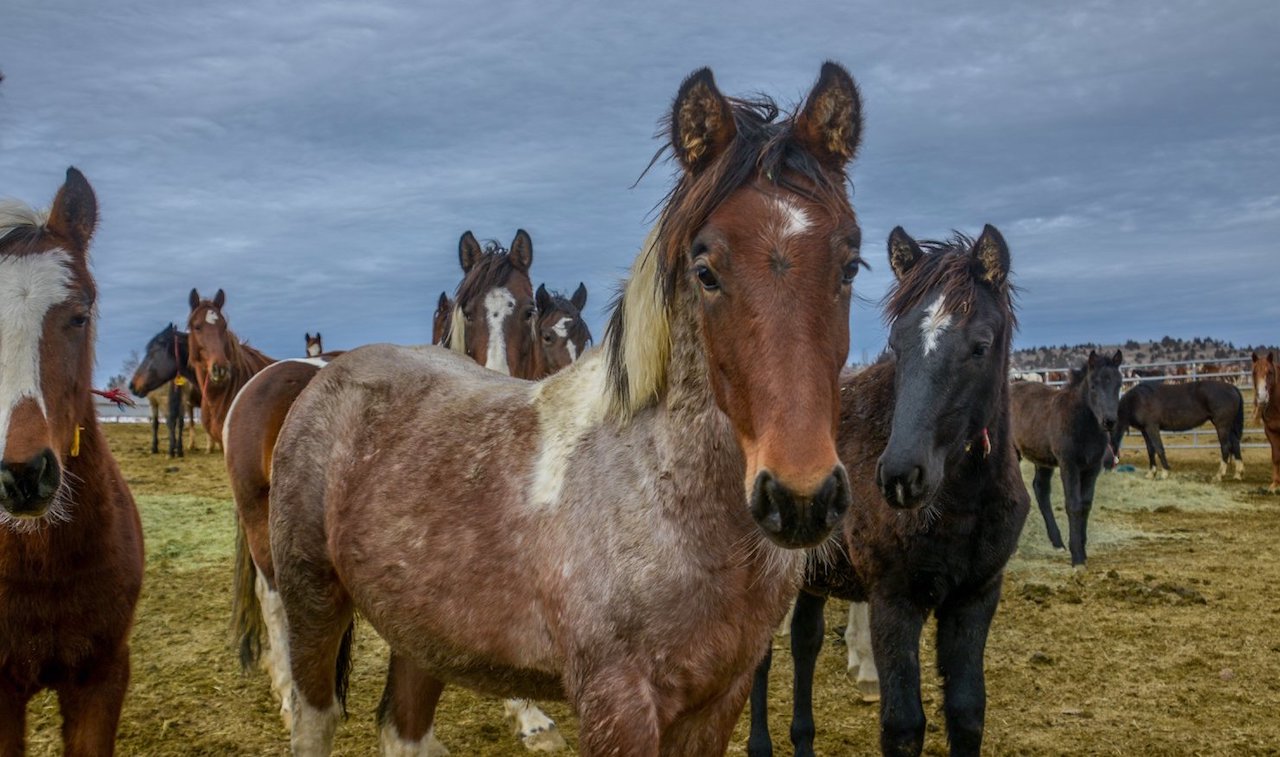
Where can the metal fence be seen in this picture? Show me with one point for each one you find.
(1237, 371)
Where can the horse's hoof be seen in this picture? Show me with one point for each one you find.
(1164, 474)
(1078, 570)
(544, 739)
(1217, 478)
(868, 691)
(286, 716)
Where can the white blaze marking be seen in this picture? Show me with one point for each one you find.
(29, 286)
(935, 321)
(313, 350)
(794, 220)
(210, 317)
(561, 330)
(499, 304)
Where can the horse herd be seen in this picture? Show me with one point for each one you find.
(623, 526)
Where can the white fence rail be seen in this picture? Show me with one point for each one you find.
(1237, 371)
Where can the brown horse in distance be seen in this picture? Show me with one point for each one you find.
(560, 330)
(315, 345)
(71, 556)
(222, 364)
(645, 510)
(1266, 405)
(441, 318)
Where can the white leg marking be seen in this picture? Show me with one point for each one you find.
(785, 628)
(936, 320)
(1239, 465)
(862, 662)
(391, 744)
(532, 726)
(29, 286)
(499, 305)
(1222, 471)
(276, 659)
(313, 729)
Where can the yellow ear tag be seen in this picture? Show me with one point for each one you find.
(180, 381)
(75, 442)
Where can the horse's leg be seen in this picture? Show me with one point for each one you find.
(962, 640)
(759, 743)
(1071, 479)
(155, 427)
(617, 713)
(91, 707)
(191, 418)
(895, 638)
(1042, 484)
(13, 725)
(276, 660)
(406, 715)
(708, 730)
(862, 661)
(532, 726)
(1151, 452)
(807, 627)
(1273, 437)
(1085, 481)
(1224, 447)
(1164, 461)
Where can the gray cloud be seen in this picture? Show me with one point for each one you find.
(319, 160)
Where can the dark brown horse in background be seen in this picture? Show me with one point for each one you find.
(441, 318)
(1155, 407)
(71, 555)
(643, 511)
(1070, 428)
(221, 362)
(561, 331)
(940, 500)
(1266, 405)
(164, 366)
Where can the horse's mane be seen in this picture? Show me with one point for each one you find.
(637, 337)
(493, 269)
(20, 222)
(948, 264)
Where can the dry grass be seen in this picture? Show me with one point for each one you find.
(1168, 645)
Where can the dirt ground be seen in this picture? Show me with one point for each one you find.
(1169, 644)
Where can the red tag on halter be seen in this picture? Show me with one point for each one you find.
(986, 443)
(116, 395)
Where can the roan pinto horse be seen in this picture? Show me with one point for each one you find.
(70, 540)
(940, 499)
(570, 538)
(492, 302)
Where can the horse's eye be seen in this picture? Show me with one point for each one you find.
(528, 316)
(547, 338)
(706, 277)
(851, 270)
(79, 321)
(980, 349)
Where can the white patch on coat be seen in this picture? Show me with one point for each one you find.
(795, 221)
(313, 728)
(499, 305)
(936, 320)
(276, 659)
(394, 745)
(569, 404)
(535, 730)
(210, 317)
(29, 286)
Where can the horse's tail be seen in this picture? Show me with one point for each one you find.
(342, 677)
(247, 624)
(1237, 427)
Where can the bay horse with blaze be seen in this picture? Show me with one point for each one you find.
(221, 362)
(71, 557)
(627, 533)
(1266, 405)
(561, 331)
(940, 500)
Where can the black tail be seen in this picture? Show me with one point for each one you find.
(1237, 428)
(246, 616)
(342, 677)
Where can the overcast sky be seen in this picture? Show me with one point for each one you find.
(319, 160)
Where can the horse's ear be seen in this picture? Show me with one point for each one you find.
(522, 251)
(701, 122)
(830, 124)
(469, 251)
(579, 298)
(1092, 362)
(992, 255)
(443, 303)
(1255, 356)
(194, 299)
(74, 214)
(543, 299)
(1271, 358)
(904, 253)
(1117, 359)
(307, 336)
(219, 299)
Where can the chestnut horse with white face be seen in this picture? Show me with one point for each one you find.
(70, 539)
(493, 308)
(627, 533)
(1266, 406)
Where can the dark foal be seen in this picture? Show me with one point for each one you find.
(165, 363)
(939, 501)
(1152, 408)
(1069, 428)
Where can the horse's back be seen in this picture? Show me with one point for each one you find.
(1034, 420)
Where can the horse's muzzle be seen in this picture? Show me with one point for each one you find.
(27, 489)
(219, 374)
(904, 484)
(795, 520)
